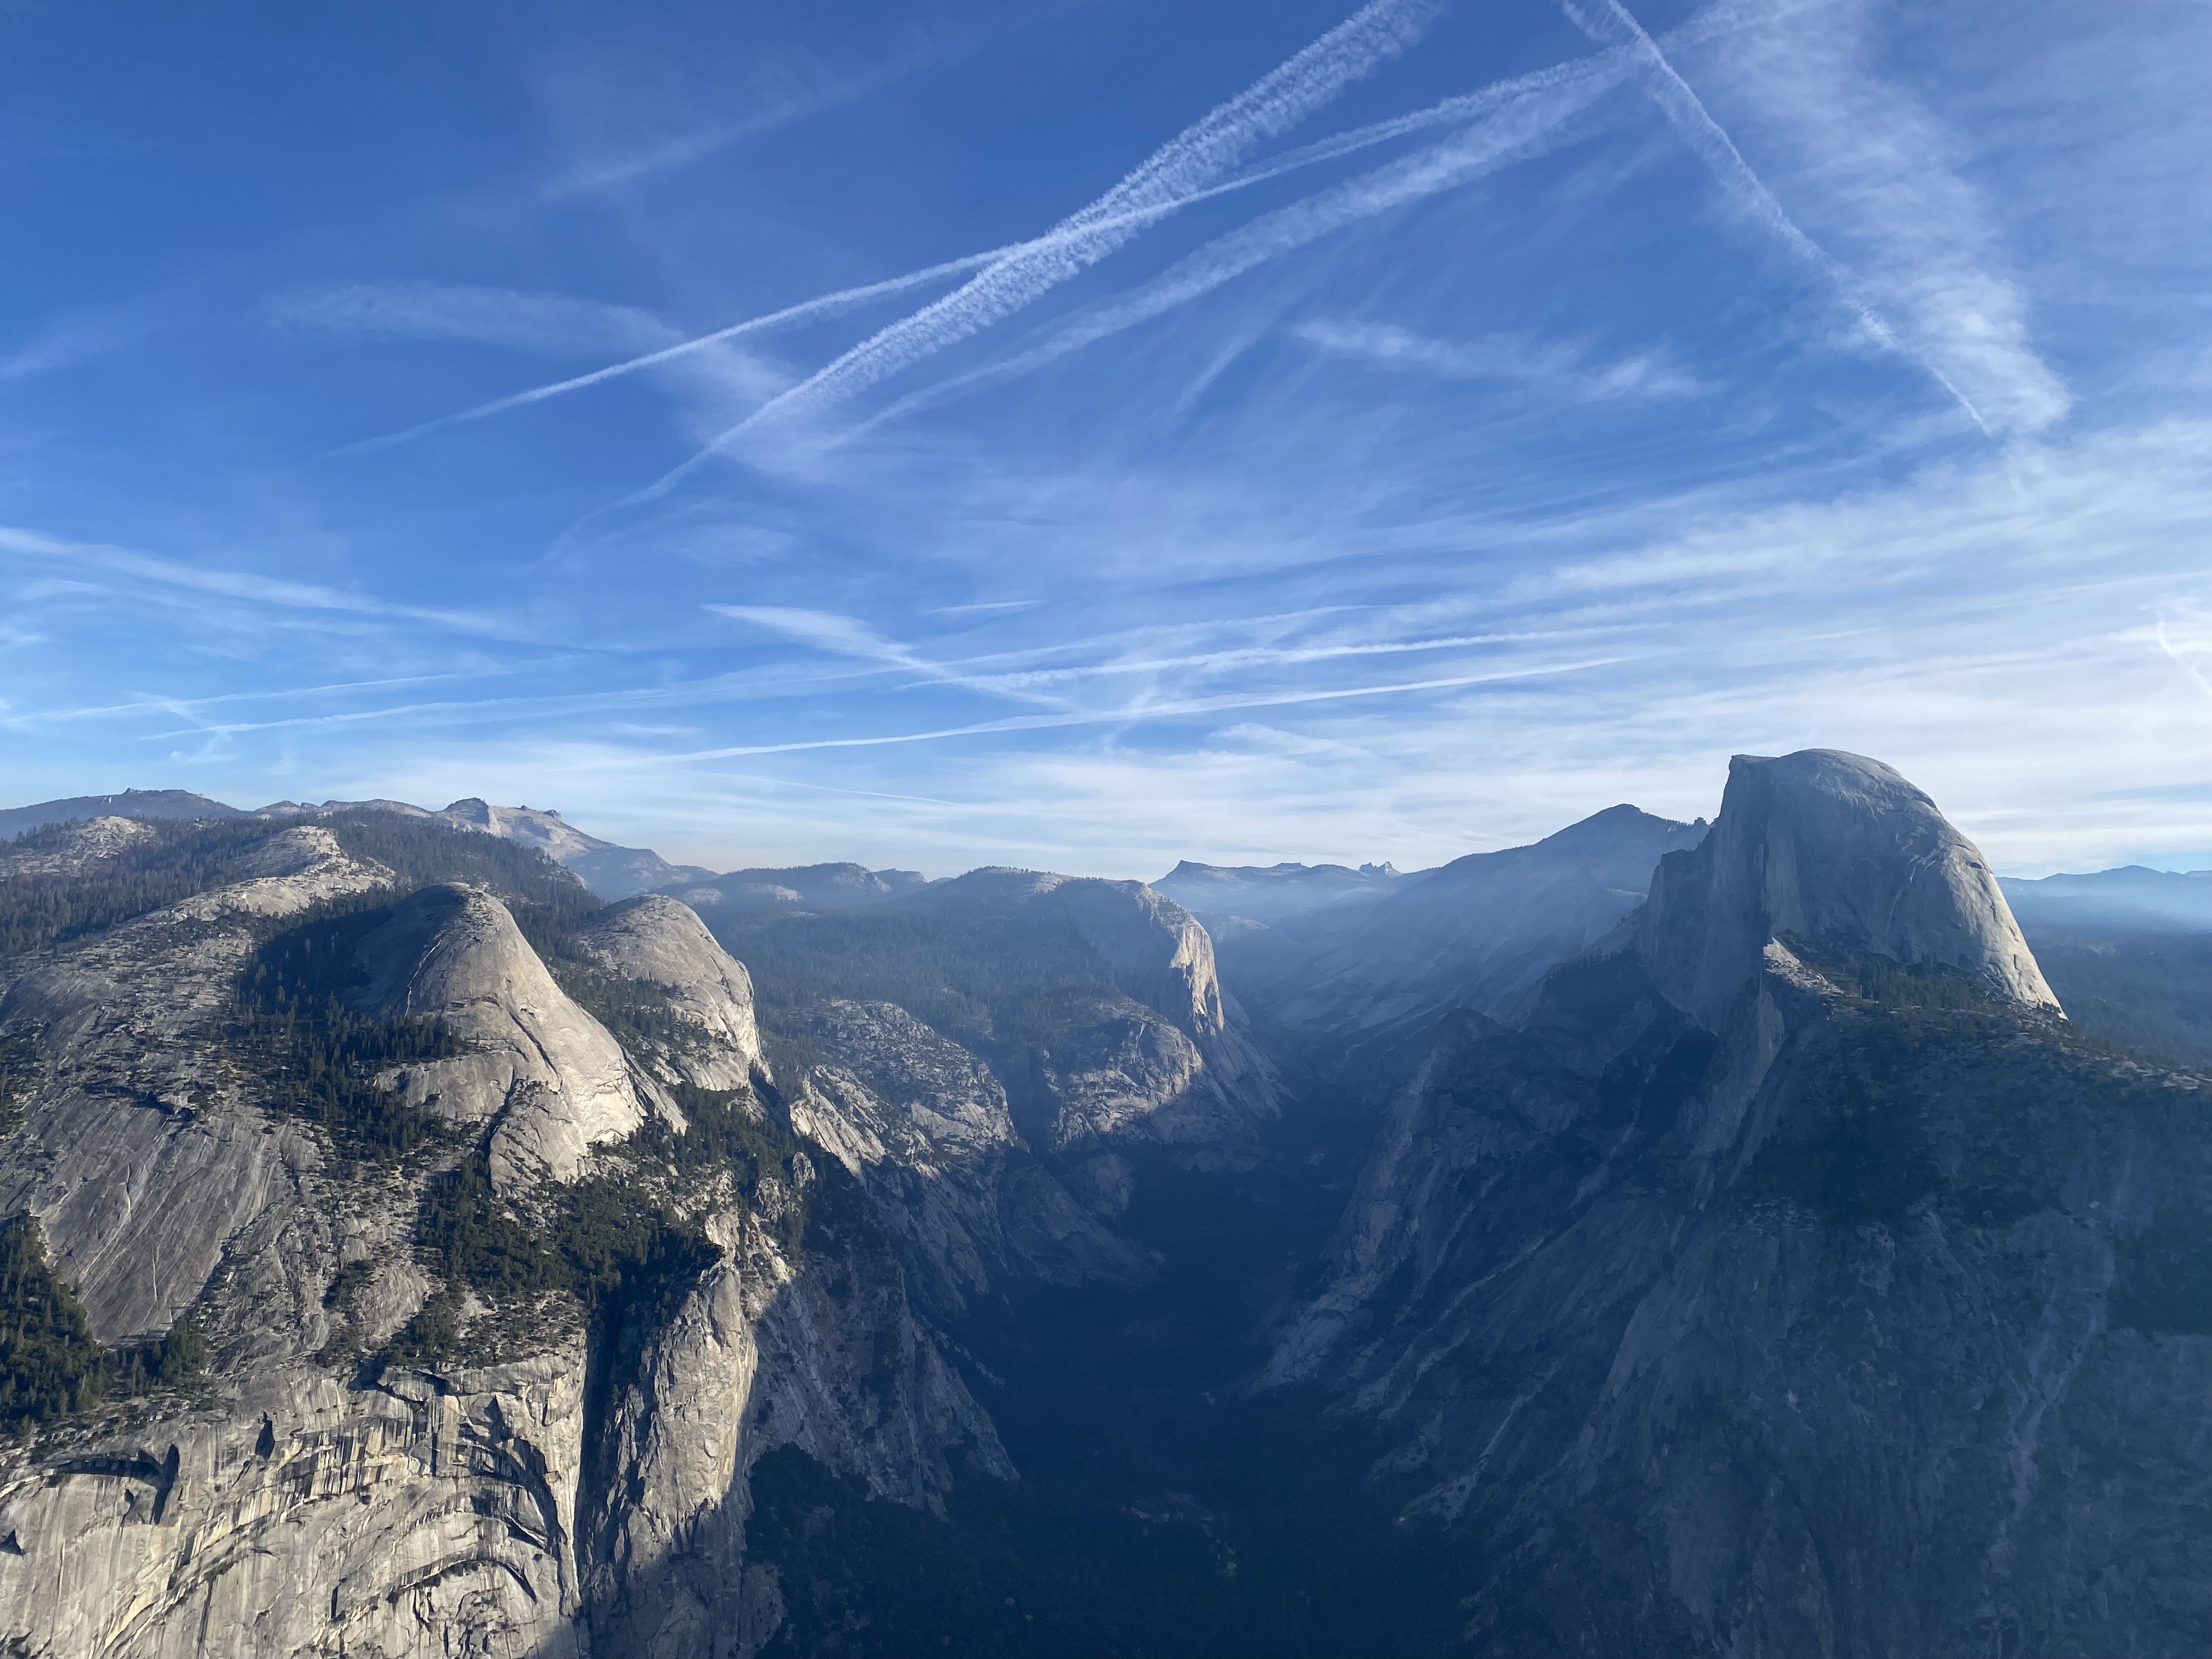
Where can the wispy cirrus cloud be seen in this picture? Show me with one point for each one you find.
(1138, 712)
(149, 703)
(70, 341)
(1563, 368)
(1195, 158)
(1610, 23)
(1885, 177)
(2186, 635)
(250, 587)
(1520, 127)
(849, 637)
(1961, 323)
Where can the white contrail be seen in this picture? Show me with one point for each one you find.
(845, 299)
(849, 637)
(1252, 656)
(1608, 66)
(1577, 83)
(1134, 713)
(1610, 23)
(824, 305)
(1188, 162)
(1544, 105)
(1927, 251)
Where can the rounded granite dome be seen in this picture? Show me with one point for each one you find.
(1838, 851)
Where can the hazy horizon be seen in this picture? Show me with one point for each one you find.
(719, 858)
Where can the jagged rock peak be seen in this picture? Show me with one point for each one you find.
(1838, 850)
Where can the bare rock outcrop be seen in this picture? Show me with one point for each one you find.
(1735, 1301)
(82, 844)
(283, 876)
(1170, 1062)
(657, 941)
(431, 1515)
(556, 1081)
(924, 1126)
(328, 1486)
(142, 1150)
(1834, 850)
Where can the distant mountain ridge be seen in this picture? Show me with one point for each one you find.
(802, 887)
(1273, 893)
(2131, 897)
(1478, 933)
(131, 803)
(610, 871)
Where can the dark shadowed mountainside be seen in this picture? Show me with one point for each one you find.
(1663, 1238)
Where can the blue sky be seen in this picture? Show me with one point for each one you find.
(1085, 436)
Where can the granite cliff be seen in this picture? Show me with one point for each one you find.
(420, 1256)
(1658, 1239)
(1788, 1278)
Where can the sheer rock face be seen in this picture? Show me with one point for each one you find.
(1723, 1310)
(1170, 1062)
(762, 1352)
(298, 1502)
(1836, 850)
(924, 1126)
(656, 940)
(1197, 1083)
(139, 1152)
(556, 1081)
(1153, 949)
(433, 1513)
